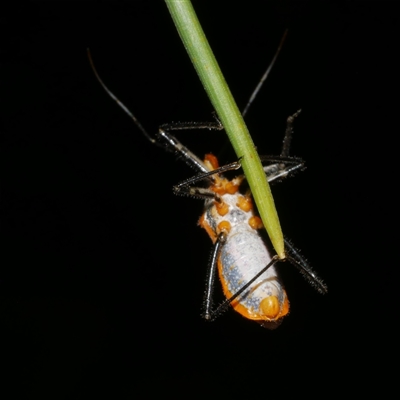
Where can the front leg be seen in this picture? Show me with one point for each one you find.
(173, 144)
(186, 188)
(281, 167)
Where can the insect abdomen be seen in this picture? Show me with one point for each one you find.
(244, 255)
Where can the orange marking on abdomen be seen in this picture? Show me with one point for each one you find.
(255, 222)
(224, 226)
(222, 208)
(245, 203)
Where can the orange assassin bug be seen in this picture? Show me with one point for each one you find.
(246, 268)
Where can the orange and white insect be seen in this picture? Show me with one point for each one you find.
(246, 268)
(231, 219)
(245, 265)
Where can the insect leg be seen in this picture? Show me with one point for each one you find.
(283, 165)
(212, 268)
(185, 187)
(171, 143)
(287, 139)
(301, 264)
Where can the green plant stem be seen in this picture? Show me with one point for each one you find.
(207, 68)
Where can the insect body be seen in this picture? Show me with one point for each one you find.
(243, 253)
(246, 268)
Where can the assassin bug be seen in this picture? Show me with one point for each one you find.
(246, 268)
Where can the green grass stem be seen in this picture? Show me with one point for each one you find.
(207, 68)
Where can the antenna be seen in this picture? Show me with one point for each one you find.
(115, 98)
(265, 76)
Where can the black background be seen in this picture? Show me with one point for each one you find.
(104, 267)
